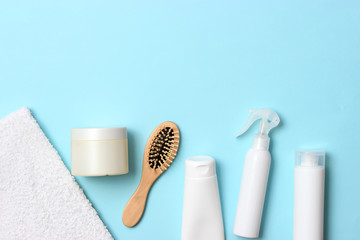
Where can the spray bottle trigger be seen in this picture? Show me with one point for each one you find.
(269, 120)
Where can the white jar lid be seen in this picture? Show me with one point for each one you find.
(82, 134)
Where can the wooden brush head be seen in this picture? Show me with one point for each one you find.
(161, 147)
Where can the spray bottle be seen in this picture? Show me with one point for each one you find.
(255, 175)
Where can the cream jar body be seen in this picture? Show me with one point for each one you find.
(99, 151)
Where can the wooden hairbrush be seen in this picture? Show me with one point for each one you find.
(160, 151)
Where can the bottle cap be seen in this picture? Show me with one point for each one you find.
(309, 158)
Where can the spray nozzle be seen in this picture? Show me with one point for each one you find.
(269, 120)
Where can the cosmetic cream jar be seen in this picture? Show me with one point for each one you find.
(99, 151)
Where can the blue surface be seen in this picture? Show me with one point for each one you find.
(203, 65)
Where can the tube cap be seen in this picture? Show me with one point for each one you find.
(200, 167)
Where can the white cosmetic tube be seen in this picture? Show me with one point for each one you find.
(202, 218)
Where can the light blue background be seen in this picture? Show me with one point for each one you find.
(203, 65)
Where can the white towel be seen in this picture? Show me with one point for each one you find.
(39, 199)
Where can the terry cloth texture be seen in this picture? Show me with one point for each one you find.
(39, 199)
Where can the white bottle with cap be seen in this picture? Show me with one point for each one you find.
(309, 184)
(202, 217)
(255, 175)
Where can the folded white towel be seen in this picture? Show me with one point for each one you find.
(39, 199)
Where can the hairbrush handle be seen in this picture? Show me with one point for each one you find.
(135, 206)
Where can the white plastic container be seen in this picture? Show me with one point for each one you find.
(252, 193)
(202, 217)
(255, 175)
(309, 195)
(99, 151)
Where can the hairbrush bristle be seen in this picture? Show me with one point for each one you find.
(163, 148)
